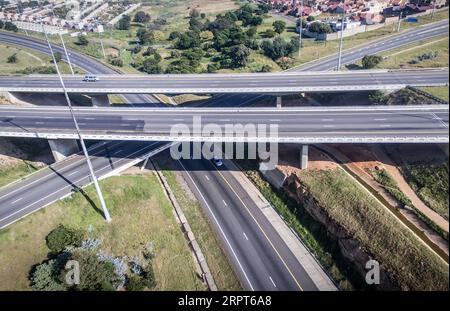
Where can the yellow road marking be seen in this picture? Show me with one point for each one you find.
(262, 230)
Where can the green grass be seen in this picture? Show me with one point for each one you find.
(440, 92)
(431, 183)
(402, 58)
(141, 214)
(12, 172)
(309, 231)
(218, 263)
(313, 50)
(385, 179)
(26, 58)
(399, 252)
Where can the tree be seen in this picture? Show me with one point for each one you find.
(151, 65)
(45, 277)
(116, 61)
(61, 237)
(58, 56)
(378, 97)
(239, 54)
(195, 24)
(94, 274)
(10, 27)
(320, 28)
(124, 23)
(145, 36)
(141, 17)
(12, 59)
(206, 35)
(371, 61)
(279, 26)
(82, 40)
(188, 40)
(174, 35)
(310, 18)
(150, 50)
(251, 32)
(270, 33)
(2, 24)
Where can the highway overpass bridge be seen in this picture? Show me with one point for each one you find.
(307, 125)
(254, 83)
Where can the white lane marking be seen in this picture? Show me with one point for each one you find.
(48, 175)
(178, 120)
(80, 123)
(385, 125)
(381, 119)
(68, 186)
(207, 178)
(224, 120)
(15, 201)
(73, 173)
(219, 226)
(275, 120)
(435, 116)
(328, 125)
(245, 236)
(117, 152)
(327, 120)
(225, 203)
(272, 281)
(39, 122)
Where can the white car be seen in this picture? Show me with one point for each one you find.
(90, 78)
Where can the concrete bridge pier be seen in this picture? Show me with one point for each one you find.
(62, 148)
(279, 101)
(100, 101)
(304, 157)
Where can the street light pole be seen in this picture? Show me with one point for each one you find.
(399, 21)
(67, 54)
(342, 37)
(300, 30)
(434, 10)
(83, 146)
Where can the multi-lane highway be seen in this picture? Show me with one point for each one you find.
(272, 83)
(383, 44)
(79, 60)
(260, 257)
(128, 149)
(425, 124)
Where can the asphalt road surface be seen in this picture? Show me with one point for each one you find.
(230, 83)
(415, 122)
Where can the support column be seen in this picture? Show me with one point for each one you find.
(62, 148)
(304, 157)
(100, 101)
(279, 101)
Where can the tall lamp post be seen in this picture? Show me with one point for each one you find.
(83, 146)
(342, 37)
(300, 30)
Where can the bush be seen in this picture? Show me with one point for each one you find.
(378, 97)
(141, 17)
(124, 23)
(266, 68)
(149, 276)
(212, 68)
(45, 277)
(279, 26)
(61, 237)
(116, 62)
(10, 27)
(135, 284)
(320, 28)
(82, 40)
(270, 33)
(12, 59)
(58, 56)
(371, 61)
(150, 51)
(310, 18)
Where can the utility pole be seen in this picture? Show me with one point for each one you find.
(399, 21)
(300, 30)
(64, 46)
(342, 37)
(434, 10)
(83, 146)
(67, 54)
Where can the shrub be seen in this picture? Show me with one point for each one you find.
(135, 283)
(141, 17)
(116, 62)
(320, 28)
(82, 40)
(45, 277)
(124, 23)
(57, 56)
(279, 26)
(371, 61)
(12, 59)
(61, 237)
(378, 97)
(212, 68)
